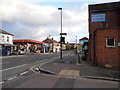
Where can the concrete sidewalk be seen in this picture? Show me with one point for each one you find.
(68, 67)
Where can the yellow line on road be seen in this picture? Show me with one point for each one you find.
(31, 68)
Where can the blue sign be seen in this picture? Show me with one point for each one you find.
(83, 41)
(98, 17)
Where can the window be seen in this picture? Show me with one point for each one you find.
(110, 42)
(7, 39)
(3, 38)
(104, 25)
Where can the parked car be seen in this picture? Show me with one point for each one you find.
(20, 52)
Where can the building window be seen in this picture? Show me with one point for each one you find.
(7, 39)
(3, 38)
(104, 25)
(110, 42)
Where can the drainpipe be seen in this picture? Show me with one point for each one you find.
(95, 60)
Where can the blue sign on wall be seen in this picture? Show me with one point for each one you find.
(98, 17)
(83, 41)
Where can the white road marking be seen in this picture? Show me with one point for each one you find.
(12, 78)
(1, 57)
(42, 60)
(4, 62)
(13, 67)
(1, 82)
(23, 73)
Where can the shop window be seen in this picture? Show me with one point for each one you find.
(7, 39)
(110, 42)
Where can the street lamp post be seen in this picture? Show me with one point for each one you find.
(61, 34)
(76, 44)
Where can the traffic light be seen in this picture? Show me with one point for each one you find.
(62, 39)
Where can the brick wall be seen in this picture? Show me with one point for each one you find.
(107, 55)
(98, 52)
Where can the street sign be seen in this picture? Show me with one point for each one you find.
(98, 17)
(79, 47)
(63, 33)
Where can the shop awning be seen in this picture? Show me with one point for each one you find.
(27, 40)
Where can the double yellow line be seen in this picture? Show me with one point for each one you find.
(32, 68)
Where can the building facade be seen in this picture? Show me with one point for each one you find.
(6, 43)
(104, 34)
(52, 45)
(28, 45)
(84, 42)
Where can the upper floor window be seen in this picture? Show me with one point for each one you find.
(7, 39)
(3, 38)
(110, 42)
(104, 25)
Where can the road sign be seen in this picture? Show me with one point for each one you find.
(79, 47)
(63, 33)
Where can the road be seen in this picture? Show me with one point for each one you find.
(15, 65)
(16, 74)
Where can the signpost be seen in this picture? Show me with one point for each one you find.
(63, 33)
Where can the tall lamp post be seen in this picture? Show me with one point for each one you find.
(76, 44)
(61, 34)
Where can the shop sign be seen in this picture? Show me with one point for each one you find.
(98, 18)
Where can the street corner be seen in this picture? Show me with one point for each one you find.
(38, 68)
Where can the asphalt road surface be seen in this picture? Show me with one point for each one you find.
(15, 65)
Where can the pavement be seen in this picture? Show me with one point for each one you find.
(69, 66)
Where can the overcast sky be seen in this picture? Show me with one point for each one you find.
(37, 19)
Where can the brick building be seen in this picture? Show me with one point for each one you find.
(104, 34)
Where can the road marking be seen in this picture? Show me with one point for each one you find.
(23, 73)
(13, 67)
(32, 68)
(1, 82)
(11, 78)
(4, 62)
(12, 56)
(42, 60)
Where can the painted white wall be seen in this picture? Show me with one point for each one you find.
(4, 40)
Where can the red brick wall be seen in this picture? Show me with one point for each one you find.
(104, 54)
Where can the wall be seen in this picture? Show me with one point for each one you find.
(5, 39)
(107, 55)
(98, 52)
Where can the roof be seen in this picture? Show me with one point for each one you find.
(48, 40)
(84, 38)
(4, 32)
(28, 40)
(104, 7)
